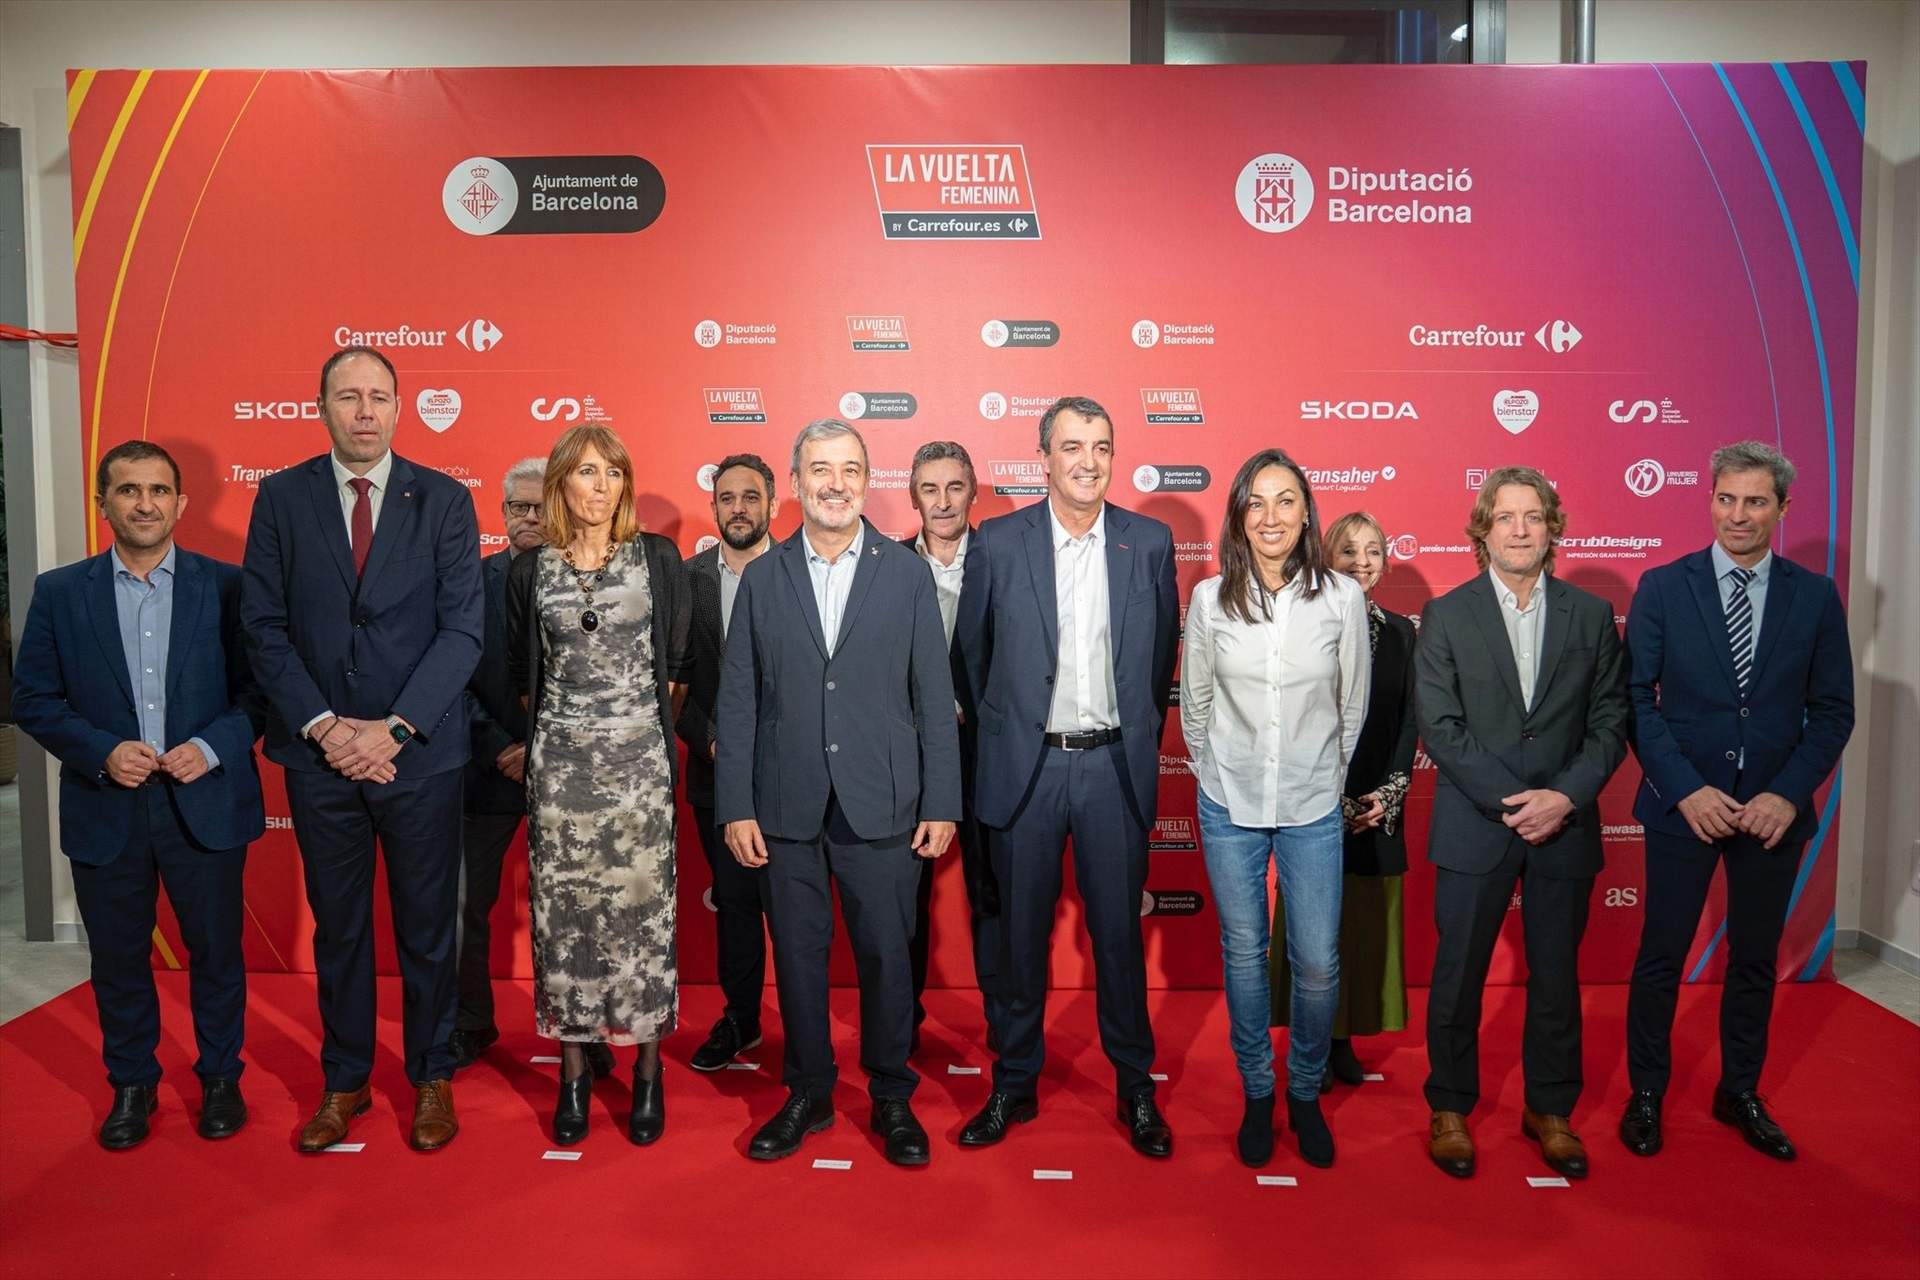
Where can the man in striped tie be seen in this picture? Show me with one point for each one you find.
(1742, 688)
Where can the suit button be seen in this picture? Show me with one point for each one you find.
(1527, 736)
(1732, 756)
(834, 747)
(1049, 679)
(1041, 725)
(1745, 712)
(829, 686)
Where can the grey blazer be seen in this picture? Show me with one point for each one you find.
(872, 725)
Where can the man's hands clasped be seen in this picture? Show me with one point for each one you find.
(133, 763)
(362, 750)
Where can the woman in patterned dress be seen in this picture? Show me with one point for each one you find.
(597, 624)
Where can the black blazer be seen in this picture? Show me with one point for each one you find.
(1485, 743)
(672, 618)
(704, 644)
(494, 714)
(1387, 739)
(872, 725)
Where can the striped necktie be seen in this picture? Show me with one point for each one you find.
(1740, 625)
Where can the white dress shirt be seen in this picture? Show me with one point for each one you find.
(378, 473)
(1084, 696)
(1271, 710)
(729, 590)
(1526, 629)
(833, 582)
(946, 579)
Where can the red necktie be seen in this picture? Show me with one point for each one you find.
(362, 522)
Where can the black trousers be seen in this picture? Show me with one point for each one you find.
(739, 923)
(983, 910)
(118, 906)
(484, 838)
(416, 824)
(877, 880)
(1085, 795)
(1469, 910)
(1759, 885)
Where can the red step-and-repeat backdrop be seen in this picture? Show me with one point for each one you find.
(1404, 276)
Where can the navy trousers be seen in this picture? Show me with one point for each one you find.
(416, 824)
(117, 905)
(740, 912)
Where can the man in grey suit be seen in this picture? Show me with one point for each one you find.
(1520, 690)
(838, 762)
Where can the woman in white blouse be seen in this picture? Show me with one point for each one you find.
(1273, 689)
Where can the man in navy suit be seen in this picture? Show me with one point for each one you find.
(1067, 623)
(838, 763)
(362, 604)
(1742, 688)
(157, 778)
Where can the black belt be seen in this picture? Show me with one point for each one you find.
(1083, 741)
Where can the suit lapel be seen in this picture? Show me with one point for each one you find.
(1713, 613)
(863, 575)
(1119, 576)
(396, 513)
(793, 556)
(1039, 540)
(1486, 612)
(1559, 607)
(106, 622)
(1780, 589)
(189, 597)
(326, 509)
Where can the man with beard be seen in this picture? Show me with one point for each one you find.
(743, 506)
(838, 763)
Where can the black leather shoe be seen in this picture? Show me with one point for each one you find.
(1255, 1141)
(1640, 1124)
(906, 1140)
(600, 1059)
(727, 1041)
(570, 1113)
(223, 1112)
(1745, 1112)
(467, 1046)
(1344, 1064)
(781, 1136)
(648, 1119)
(1146, 1126)
(1002, 1110)
(1310, 1126)
(126, 1125)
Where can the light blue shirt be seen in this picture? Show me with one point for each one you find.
(833, 582)
(145, 613)
(1526, 630)
(1756, 589)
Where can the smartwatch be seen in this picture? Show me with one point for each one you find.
(399, 731)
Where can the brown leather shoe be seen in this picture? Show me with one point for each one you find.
(329, 1123)
(433, 1121)
(1450, 1145)
(1559, 1145)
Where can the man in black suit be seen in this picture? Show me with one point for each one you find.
(743, 506)
(1742, 686)
(942, 488)
(1520, 691)
(130, 674)
(1068, 620)
(838, 763)
(363, 612)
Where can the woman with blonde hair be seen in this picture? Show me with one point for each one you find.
(597, 625)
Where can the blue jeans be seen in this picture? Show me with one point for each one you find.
(1309, 859)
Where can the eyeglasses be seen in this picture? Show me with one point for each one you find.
(521, 510)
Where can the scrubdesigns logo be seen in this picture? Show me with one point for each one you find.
(1274, 192)
(480, 195)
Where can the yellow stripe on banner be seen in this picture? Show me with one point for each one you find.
(82, 81)
(106, 163)
(119, 282)
(166, 952)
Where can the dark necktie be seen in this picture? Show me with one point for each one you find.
(362, 522)
(1740, 626)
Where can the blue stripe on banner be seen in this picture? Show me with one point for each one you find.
(1765, 347)
(1819, 956)
(1813, 312)
(1712, 944)
(1850, 90)
(1840, 218)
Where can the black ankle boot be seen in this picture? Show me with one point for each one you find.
(570, 1113)
(1256, 1132)
(649, 1118)
(1316, 1140)
(1344, 1065)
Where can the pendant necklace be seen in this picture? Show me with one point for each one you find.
(589, 617)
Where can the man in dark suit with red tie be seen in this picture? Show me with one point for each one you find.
(362, 604)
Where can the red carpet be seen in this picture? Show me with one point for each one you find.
(1842, 1081)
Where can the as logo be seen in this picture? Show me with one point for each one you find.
(1558, 336)
(478, 335)
(1638, 411)
(1625, 896)
(1274, 193)
(1646, 478)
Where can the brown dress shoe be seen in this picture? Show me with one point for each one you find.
(1450, 1145)
(329, 1123)
(433, 1121)
(1559, 1145)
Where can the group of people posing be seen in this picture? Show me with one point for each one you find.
(852, 708)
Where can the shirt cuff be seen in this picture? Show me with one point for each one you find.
(307, 728)
(213, 760)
